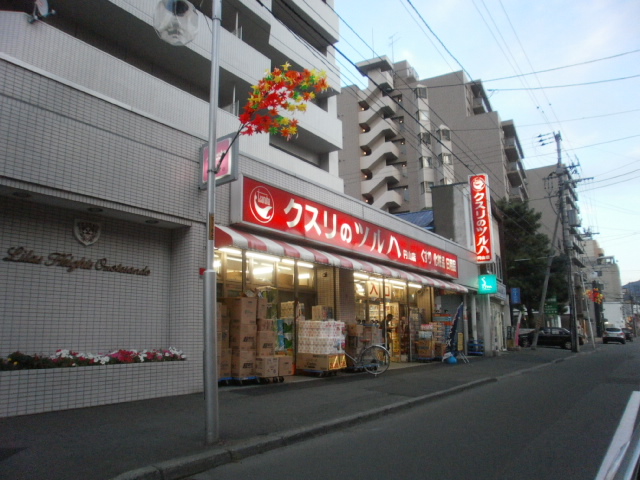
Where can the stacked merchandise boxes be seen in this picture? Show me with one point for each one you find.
(415, 320)
(251, 341)
(321, 342)
(266, 338)
(359, 337)
(441, 327)
(224, 348)
(432, 340)
(243, 331)
(425, 345)
(285, 327)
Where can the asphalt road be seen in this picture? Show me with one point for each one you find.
(550, 423)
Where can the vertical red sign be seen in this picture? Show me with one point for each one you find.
(481, 214)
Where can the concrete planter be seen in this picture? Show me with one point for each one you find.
(26, 392)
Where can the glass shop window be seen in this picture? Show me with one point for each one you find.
(233, 264)
(306, 275)
(398, 291)
(285, 271)
(261, 268)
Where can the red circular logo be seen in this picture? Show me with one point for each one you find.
(261, 204)
(477, 183)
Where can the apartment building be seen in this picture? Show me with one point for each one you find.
(415, 134)
(391, 158)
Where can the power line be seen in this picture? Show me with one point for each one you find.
(563, 86)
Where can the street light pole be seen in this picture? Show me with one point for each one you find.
(176, 22)
(210, 362)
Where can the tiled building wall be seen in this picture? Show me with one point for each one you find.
(45, 308)
(74, 147)
(57, 137)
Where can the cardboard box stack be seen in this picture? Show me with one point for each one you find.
(285, 328)
(243, 331)
(224, 348)
(321, 313)
(267, 349)
(321, 343)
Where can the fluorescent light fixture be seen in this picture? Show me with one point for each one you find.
(415, 285)
(360, 275)
(284, 269)
(288, 261)
(263, 270)
(305, 265)
(233, 251)
(396, 282)
(260, 256)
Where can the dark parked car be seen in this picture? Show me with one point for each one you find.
(550, 337)
(613, 334)
(628, 334)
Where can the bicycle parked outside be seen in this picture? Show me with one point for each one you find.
(375, 359)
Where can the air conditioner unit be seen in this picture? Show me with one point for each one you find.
(573, 219)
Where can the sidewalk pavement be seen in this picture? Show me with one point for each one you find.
(163, 438)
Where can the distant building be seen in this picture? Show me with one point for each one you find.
(403, 136)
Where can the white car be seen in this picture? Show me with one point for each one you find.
(613, 334)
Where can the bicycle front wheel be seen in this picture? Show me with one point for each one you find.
(375, 359)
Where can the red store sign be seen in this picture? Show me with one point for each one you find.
(277, 210)
(481, 214)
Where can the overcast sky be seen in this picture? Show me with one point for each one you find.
(590, 46)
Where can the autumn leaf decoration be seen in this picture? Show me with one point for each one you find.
(281, 90)
(594, 295)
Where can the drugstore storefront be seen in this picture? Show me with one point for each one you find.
(332, 265)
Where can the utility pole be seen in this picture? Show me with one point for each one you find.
(543, 296)
(562, 183)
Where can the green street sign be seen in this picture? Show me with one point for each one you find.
(551, 306)
(487, 284)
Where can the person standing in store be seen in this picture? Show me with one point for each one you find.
(388, 327)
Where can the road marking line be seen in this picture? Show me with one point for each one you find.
(620, 441)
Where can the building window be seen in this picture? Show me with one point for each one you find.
(446, 159)
(445, 134)
(425, 187)
(425, 162)
(424, 137)
(421, 92)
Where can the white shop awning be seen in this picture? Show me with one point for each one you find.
(227, 236)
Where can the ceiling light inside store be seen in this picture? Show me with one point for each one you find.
(414, 285)
(260, 256)
(361, 276)
(396, 282)
(263, 270)
(305, 265)
(233, 251)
